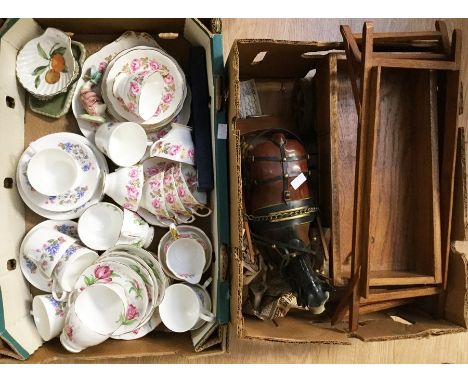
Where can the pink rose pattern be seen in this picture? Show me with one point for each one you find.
(134, 88)
(102, 273)
(142, 67)
(170, 189)
(172, 150)
(130, 316)
(134, 188)
(69, 332)
(156, 195)
(183, 191)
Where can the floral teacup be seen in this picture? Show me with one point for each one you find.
(76, 336)
(49, 316)
(173, 202)
(141, 92)
(125, 186)
(176, 145)
(45, 247)
(154, 199)
(185, 180)
(135, 231)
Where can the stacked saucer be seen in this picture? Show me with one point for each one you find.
(117, 297)
(60, 175)
(144, 85)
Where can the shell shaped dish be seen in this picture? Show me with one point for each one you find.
(45, 66)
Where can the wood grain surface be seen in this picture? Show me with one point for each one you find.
(440, 349)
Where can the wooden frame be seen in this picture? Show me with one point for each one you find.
(367, 99)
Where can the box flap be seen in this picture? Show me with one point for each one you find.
(383, 327)
(457, 288)
(17, 328)
(294, 329)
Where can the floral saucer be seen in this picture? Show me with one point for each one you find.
(144, 61)
(142, 330)
(45, 66)
(161, 279)
(89, 175)
(29, 268)
(110, 271)
(145, 275)
(76, 212)
(100, 60)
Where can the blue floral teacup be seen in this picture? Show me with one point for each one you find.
(45, 247)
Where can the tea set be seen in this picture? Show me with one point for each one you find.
(132, 105)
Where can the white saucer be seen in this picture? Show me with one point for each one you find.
(100, 60)
(29, 269)
(74, 213)
(87, 163)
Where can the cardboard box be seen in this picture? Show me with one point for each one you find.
(18, 126)
(335, 114)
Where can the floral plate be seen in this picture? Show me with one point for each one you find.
(88, 162)
(110, 271)
(145, 275)
(143, 61)
(29, 269)
(146, 256)
(100, 60)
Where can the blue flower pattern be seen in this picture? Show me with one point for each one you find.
(67, 229)
(78, 153)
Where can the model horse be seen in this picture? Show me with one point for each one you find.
(281, 208)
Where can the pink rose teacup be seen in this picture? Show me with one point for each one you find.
(176, 145)
(173, 202)
(141, 92)
(154, 198)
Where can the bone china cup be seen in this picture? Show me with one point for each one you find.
(181, 309)
(76, 336)
(52, 172)
(48, 315)
(45, 247)
(101, 307)
(99, 226)
(75, 260)
(124, 143)
(141, 93)
(176, 145)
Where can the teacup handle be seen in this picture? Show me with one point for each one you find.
(207, 282)
(191, 219)
(173, 230)
(203, 215)
(206, 315)
(57, 293)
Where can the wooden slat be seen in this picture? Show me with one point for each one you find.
(448, 165)
(441, 27)
(414, 64)
(386, 295)
(372, 123)
(379, 306)
(361, 155)
(412, 55)
(389, 278)
(401, 36)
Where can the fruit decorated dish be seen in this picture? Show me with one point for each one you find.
(46, 66)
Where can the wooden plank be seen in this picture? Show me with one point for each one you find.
(447, 170)
(379, 306)
(414, 64)
(395, 294)
(361, 158)
(441, 27)
(394, 278)
(401, 36)
(373, 124)
(411, 55)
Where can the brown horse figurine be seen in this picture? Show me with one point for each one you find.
(279, 214)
